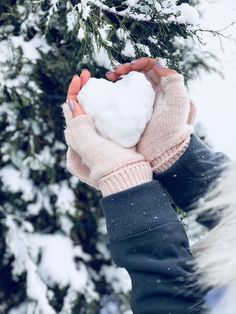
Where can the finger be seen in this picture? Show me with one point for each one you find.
(143, 64)
(67, 113)
(123, 69)
(84, 77)
(75, 108)
(112, 76)
(140, 65)
(74, 88)
(161, 71)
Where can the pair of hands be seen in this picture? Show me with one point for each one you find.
(105, 165)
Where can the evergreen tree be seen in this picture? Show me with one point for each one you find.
(53, 252)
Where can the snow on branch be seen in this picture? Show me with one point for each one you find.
(183, 14)
(57, 265)
(124, 13)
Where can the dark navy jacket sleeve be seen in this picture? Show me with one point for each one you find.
(146, 238)
(193, 174)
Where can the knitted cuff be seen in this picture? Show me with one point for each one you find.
(125, 178)
(169, 157)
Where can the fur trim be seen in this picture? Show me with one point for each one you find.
(216, 252)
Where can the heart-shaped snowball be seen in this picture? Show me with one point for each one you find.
(120, 110)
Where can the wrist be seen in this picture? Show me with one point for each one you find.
(169, 157)
(125, 178)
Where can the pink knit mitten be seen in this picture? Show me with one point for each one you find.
(167, 135)
(74, 162)
(104, 164)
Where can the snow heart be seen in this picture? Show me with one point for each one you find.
(120, 110)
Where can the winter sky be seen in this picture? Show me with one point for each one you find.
(214, 95)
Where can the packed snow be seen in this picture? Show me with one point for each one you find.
(121, 110)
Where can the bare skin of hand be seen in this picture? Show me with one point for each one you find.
(149, 66)
(75, 86)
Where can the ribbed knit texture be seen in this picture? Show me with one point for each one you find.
(168, 158)
(168, 133)
(125, 178)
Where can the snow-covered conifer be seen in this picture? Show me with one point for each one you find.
(53, 252)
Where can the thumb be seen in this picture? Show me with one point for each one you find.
(71, 109)
(73, 90)
(75, 108)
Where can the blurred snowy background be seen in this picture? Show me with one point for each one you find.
(215, 95)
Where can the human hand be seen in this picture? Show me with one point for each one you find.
(94, 159)
(168, 133)
(72, 109)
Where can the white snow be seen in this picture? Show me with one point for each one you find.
(85, 8)
(18, 244)
(81, 34)
(65, 198)
(57, 261)
(19, 309)
(104, 31)
(71, 17)
(129, 50)
(120, 110)
(188, 15)
(183, 13)
(56, 266)
(36, 288)
(66, 224)
(100, 56)
(14, 181)
(132, 2)
(30, 49)
(118, 278)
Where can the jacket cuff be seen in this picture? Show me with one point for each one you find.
(136, 210)
(190, 177)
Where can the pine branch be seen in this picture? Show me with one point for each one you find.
(218, 33)
(124, 13)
